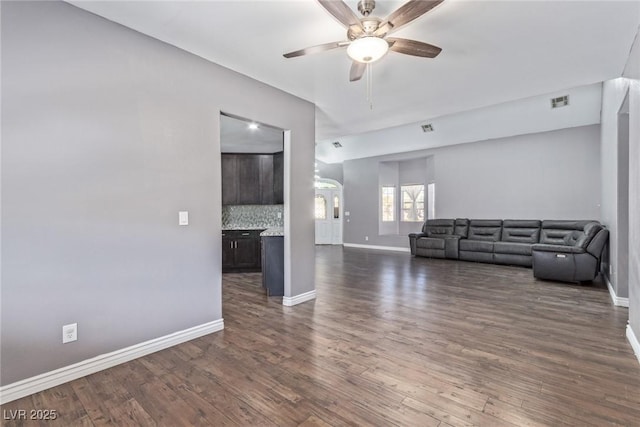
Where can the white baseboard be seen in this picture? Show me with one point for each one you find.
(299, 299)
(619, 301)
(379, 248)
(63, 375)
(633, 340)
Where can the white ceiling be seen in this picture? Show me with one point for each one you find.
(237, 137)
(493, 52)
(529, 115)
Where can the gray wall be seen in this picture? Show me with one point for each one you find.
(330, 171)
(632, 72)
(623, 197)
(549, 175)
(613, 95)
(106, 135)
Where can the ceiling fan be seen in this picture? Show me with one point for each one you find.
(367, 36)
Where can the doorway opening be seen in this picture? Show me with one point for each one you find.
(252, 204)
(328, 212)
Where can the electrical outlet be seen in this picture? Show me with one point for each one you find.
(279, 215)
(69, 333)
(366, 238)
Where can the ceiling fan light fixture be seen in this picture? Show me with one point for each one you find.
(367, 49)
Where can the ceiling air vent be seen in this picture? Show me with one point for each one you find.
(427, 128)
(337, 144)
(561, 101)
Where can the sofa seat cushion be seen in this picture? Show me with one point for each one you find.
(476, 245)
(430, 243)
(512, 248)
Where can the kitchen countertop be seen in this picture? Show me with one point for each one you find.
(243, 227)
(271, 232)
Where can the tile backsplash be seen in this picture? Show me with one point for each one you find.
(252, 216)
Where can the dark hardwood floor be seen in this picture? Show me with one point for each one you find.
(390, 340)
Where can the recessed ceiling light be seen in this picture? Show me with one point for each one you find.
(253, 126)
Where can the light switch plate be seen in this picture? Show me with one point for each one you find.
(183, 218)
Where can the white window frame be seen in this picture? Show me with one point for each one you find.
(431, 200)
(393, 204)
(402, 208)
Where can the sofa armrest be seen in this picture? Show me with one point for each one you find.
(412, 241)
(596, 246)
(543, 247)
(451, 246)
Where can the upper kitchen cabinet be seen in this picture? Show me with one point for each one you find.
(266, 180)
(249, 175)
(252, 163)
(251, 179)
(229, 179)
(278, 178)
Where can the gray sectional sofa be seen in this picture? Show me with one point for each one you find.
(562, 250)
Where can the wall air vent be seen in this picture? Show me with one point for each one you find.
(561, 101)
(337, 144)
(427, 128)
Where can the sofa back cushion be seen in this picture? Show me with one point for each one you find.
(485, 229)
(568, 233)
(520, 231)
(589, 232)
(438, 227)
(461, 227)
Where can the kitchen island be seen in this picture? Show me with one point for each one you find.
(273, 261)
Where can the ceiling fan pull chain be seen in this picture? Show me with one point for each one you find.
(370, 85)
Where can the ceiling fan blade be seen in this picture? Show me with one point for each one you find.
(412, 47)
(357, 70)
(316, 49)
(341, 12)
(404, 14)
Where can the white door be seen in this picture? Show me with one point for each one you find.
(328, 213)
(323, 218)
(336, 218)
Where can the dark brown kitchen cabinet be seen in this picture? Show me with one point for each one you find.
(229, 179)
(249, 191)
(278, 178)
(252, 179)
(241, 251)
(273, 265)
(266, 179)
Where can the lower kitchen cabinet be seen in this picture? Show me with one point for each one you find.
(273, 265)
(241, 251)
